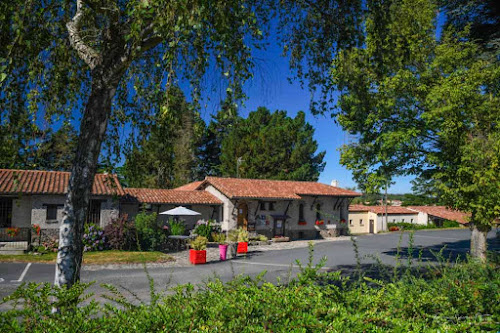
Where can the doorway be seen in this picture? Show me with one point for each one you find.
(243, 216)
(279, 227)
(372, 226)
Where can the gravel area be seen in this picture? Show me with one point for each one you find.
(182, 257)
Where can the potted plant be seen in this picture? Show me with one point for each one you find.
(232, 239)
(221, 239)
(242, 241)
(198, 252)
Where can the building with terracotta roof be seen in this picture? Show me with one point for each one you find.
(272, 207)
(37, 197)
(371, 219)
(296, 209)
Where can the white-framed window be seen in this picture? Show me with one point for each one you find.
(361, 222)
(350, 222)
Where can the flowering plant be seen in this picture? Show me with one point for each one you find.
(93, 238)
(13, 232)
(320, 222)
(342, 221)
(36, 228)
(302, 223)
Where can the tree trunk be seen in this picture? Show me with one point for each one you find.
(478, 243)
(92, 133)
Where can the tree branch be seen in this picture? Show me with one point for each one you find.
(91, 57)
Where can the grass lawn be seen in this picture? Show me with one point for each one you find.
(96, 258)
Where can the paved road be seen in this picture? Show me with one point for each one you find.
(277, 263)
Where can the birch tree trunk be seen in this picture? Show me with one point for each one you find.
(92, 133)
(478, 241)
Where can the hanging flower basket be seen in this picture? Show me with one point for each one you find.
(242, 247)
(302, 223)
(320, 222)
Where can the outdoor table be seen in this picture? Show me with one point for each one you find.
(180, 239)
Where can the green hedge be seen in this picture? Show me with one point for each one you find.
(414, 226)
(460, 298)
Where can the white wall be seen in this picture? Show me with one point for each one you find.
(229, 211)
(407, 218)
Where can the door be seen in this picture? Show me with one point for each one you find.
(372, 226)
(279, 227)
(5, 212)
(243, 216)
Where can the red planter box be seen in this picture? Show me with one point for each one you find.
(242, 247)
(198, 257)
(302, 223)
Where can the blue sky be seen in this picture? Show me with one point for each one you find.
(271, 88)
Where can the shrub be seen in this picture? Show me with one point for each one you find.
(199, 243)
(93, 238)
(458, 298)
(203, 228)
(219, 238)
(150, 236)
(120, 234)
(50, 245)
(232, 235)
(242, 235)
(177, 227)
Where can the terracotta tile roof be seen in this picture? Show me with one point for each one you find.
(274, 189)
(52, 182)
(146, 195)
(381, 209)
(190, 187)
(444, 213)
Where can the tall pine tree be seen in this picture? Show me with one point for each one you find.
(272, 146)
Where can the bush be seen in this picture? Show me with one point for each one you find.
(176, 227)
(150, 236)
(206, 228)
(120, 234)
(242, 235)
(199, 243)
(457, 298)
(93, 238)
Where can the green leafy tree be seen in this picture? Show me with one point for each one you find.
(424, 107)
(272, 146)
(216, 131)
(109, 61)
(166, 157)
(57, 150)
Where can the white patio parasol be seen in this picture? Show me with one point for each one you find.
(180, 211)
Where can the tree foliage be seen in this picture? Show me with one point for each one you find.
(167, 156)
(272, 146)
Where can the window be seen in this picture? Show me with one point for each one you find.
(361, 222)
(318, 211)
(262, 205)
(394, 220)
(350, 222)
(271, 205)
(301, 213)
(402, 220)
(51, 212)
(5, 212)
(94, 212)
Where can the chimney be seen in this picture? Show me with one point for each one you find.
(335, 183)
